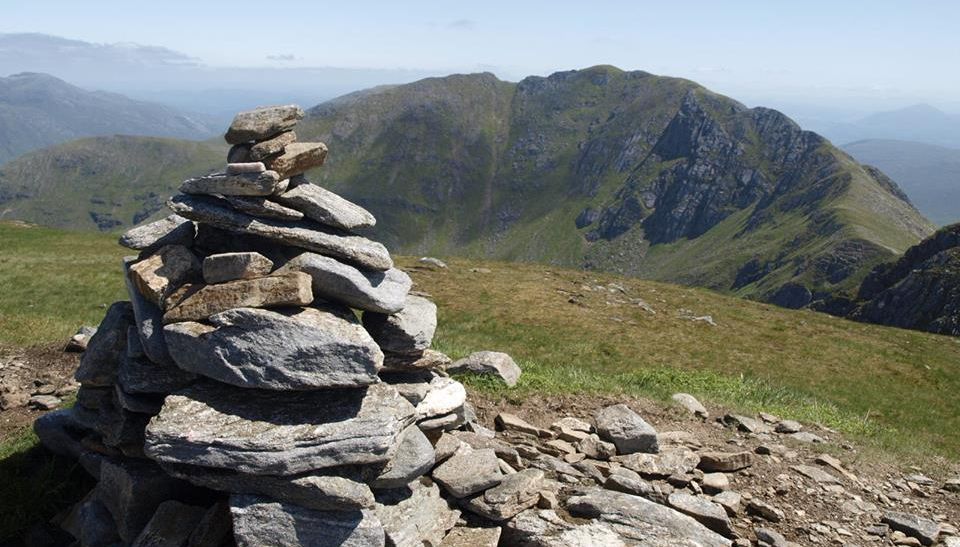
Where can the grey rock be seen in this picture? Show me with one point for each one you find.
(703, 510)
(509, 422)
(325, 207)
(952, 485)
(412, 385)
(261, 522)
(429, 359)
(764, 510)
(806, 437)
(90, 397)
(92, 524)
(818, 475)
(433, 263)
(771, 537)
(629, 482)
(44, 402)
(223, 267)
(504, 450)
(670, 462)
(726, 462)
(788, 426)
(290, 349)
(515, 493)
(464, 536)
(149, 319)
(714, 483)
(310, 490)
(78, 342)
(239, 168)
(140, 403)
(214, 528)
(263, 123)
(447, 445)
(626, 429)
(165, 270)
(746, 423)
(415, 516)
(375, 291)
(265, 183)
(492, 363)
(98, 366)
(239, 153)
(413, 458)
(691, 403)
(408, 331)
(172, 230)
(297, 158)
(138, 375)
(272, 146)
(925, 530)
(170, 526)
(256, 432)
(303, 234)
(60, 433)
(199, 302)
(730, 501)
(555, 465)
(467, 473)
(262, 207)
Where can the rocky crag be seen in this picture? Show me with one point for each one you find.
(237, 399)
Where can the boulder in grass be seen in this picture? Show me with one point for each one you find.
(627, 430)
(223, 267)
(488, 363)
(409, 331)
(198, 302)
(263, 123)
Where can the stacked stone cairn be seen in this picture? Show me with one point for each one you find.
(237, 399)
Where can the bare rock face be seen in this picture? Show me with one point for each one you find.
(325, 207)
(163, 272)
(409, 331)
(256, 432)
(293, 349)
(261, 522)
(196, 303)
(262, 183)
(223, 267)
(297, 158)
(263, 123)
(172, 230)
(627, 430)
(375, 291)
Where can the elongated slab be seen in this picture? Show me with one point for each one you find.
(263, 123)
(149, 320)
(306, 235)
(325, 207)
(262, 207)
(198, 302)
(263, 183)
(261, 432)
(376, 291)
(297, 158)
(261, 522)
(294, 349)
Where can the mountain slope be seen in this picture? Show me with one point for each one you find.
(929, 174)
(38, 110)
(620, 171)
(101, 183)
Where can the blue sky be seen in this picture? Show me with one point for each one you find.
(839, 51)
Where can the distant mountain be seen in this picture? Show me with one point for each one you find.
(101, 183)
(920, 123)
(929, 174)
(38, 110)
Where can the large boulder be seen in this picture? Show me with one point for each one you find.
(493, 363)
(626, 429)
(408, 331)
(369, 290)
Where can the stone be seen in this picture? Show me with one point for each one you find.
(625, 480)
(703, 510)
(91, 523)
(714, 483)
(239, 168)
(432, 263)
(78, 342)
(771, 537)
(429, 359)
(952, 485)
(408, 331)
(726, 462)
(297, 158)
(199, 302)
(98, 365)
(415, 516)
(746, 423)
(788, 426)
(289, 349)
(691, 403)
(730, 501)
(139, 375)
(306, 235)
(272, 146)
(239, 153)
(445, 395)
(570, 423)
(262, 207)
(488, 363)
(170, 526)
(447, 445)
(515, 493)
(310, 490)
(223, 267)
(833, 463)
(139, 403)
(214, 528)
(626, 429)
(44, 402)
(923, 529)
(325, 207)
(265, 183)
(467, 473)
(667, 463)
(556, 465)
(509, 422)
(463, 536)
(261, 522)
(149, 322)
(164, 271)
(263, 123)
(818, 475)
(172, 230)
(413, 457)
(256, 432)
(764, 510)
(806, 437)
(375, 291)
(60, 433)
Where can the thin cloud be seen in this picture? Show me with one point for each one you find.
(282, 57)
(463, 24)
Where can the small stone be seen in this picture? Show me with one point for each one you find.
(593, 447)
(704, 511)
(433, 263)
(409, 331)
(548, 500)
(163, 272)
(264, 183)
(925, 530)
(771, 537)
(714, 483)
(788, 426)
(806, 437)
(627, 430)
(172, 230)
(952, 485)
(78, 342)
(472, 537)
(746, 423)
(509, 422)
(492, 363)
(297, 158)
(263, 123)
(271, 147)
(667, 463)
(691, 403)
(325, 207)
(44, 402)
(214, 528)
(818, 475)
(170, 526)
(726, 462)
(505, 451)
(199, 302)
(429, 359)
(730, 501)
(149, 322)
(514, 494)
(764, 510)
(413, 457)
(223, 267)
(464, 474)
(416, 515)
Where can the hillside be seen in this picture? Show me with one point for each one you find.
(101, 183)
(619, 171)
(38, 110)
(928, 174)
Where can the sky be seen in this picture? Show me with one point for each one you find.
(848, 53)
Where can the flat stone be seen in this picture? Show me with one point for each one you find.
(806, 437)
(98, 365)
(703, 510)
(408, 331)
(239, 168)
(445, 395)
(78, 342)
(413, 458)
(170, 526)
(164, 271)
(432, 263)
(447, 445)
(923, 529)
(60, 433)
(223, 267)
(261, 522)
(467, 473)
(515, 493)
(297, 158)
(271, 147)
(139, 403)
(626, 429)
(629, 482)
(504, 450)
(90, 522)
(730, 501)
(310, 490)
(306, 235)
(199, 302)
(265, 183)
(256, 432)
(788, 426)
(726, 462)
(149, 322)
(263, 123)
(429, 359)
(139, 375)
(952, 485)
(262, 207)
(44, 402)
(488, 363)
(172, 230)
(415, 516)
(464, 536)
(714, 483)
(556, 465)
(325, 207)
(662, 465)
(764, 510)
(375, 291)
(746, 423)
(818, 475)
(691, 403)
(289, 349)
(509, 422)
